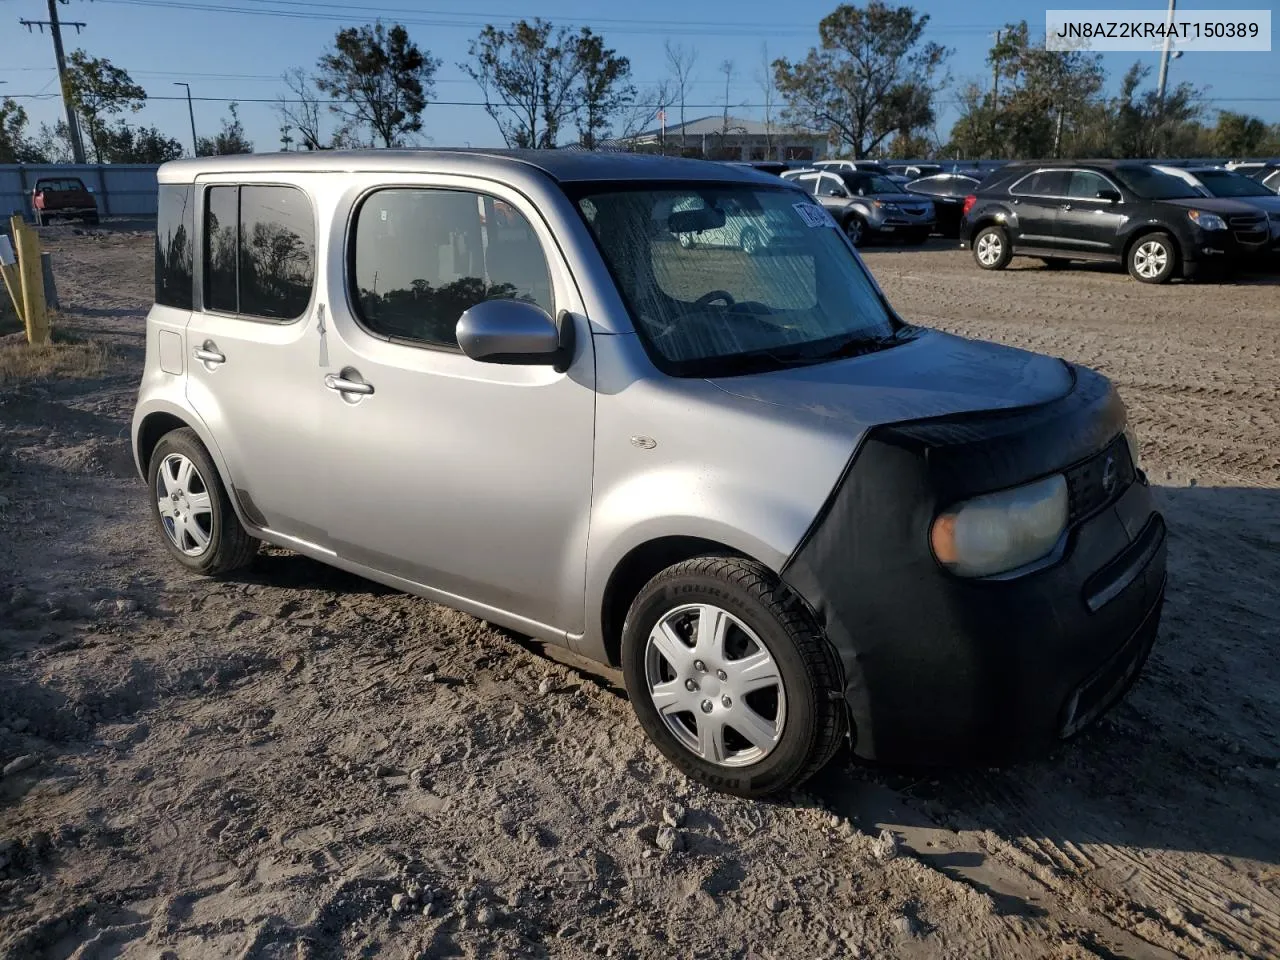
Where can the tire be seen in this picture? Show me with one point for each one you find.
(686, 240)
(1152, 258)
(197, 508)
(855, 228)
(94, 219)
(793, 721)
(915, 239)
(1056, 263)
(991, 248)
(750, 242)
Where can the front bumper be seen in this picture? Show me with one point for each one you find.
(940, 669)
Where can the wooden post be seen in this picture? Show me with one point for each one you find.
(34, 311)
(9, 271)
(50, 285)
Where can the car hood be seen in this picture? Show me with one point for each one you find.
(909, 198)
(932, 375)
(1223, 205)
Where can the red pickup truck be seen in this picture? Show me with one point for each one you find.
(63, 197)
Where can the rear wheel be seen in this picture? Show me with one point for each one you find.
(750, 241)
(1153, 258)
(731, 678)
(991, 248)
(199, 527)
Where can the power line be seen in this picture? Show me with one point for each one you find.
(946, 101)
(476, 20)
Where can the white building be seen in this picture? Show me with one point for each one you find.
(718, 137)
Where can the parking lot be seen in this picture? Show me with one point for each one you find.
(299, 763)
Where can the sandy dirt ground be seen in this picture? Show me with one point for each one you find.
(297, 763)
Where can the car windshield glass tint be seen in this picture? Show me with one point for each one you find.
(1224, 183)
(724, 279)
(1151, 184)
(878, 184)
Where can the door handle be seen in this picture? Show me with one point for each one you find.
(205, 355)
(343, 385)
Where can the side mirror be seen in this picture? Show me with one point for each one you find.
(513, 332)
(1108, 194)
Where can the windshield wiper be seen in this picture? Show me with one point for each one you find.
(862, 343)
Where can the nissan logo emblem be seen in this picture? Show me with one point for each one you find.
(1110, 474)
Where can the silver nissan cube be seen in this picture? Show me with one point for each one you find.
(518, 384)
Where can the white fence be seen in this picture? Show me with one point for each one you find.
(122, 189)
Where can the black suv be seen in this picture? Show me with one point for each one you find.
(1154, 223)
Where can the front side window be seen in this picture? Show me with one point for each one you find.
(723, 279)
(420, 257)
(260, 249)
(1085, 184)
(175, 222)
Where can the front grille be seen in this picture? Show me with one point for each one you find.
(1246, 221)
(1098, 481)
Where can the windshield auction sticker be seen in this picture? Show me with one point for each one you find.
(814, 215)
(1187, 31)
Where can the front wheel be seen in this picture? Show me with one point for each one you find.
(991, 249)
(190, 505)
(856, 230)
(730, 677)
(1153, 258)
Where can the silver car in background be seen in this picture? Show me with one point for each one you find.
(869, 206)
(499, 381)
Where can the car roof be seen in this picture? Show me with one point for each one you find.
(564, 166)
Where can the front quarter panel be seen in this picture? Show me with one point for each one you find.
(748, 475)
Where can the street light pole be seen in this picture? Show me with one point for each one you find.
(191, 112)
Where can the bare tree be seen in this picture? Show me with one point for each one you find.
(301, 108)
(642, 113)
(681, 62)
(728, 69)
(768, 90)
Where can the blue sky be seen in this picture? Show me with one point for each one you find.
(234, 53)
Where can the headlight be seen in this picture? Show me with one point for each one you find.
(1135, 449)
(1206, 220)
(1002, 531)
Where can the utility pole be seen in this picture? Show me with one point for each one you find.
(1164, 54)
(191, 112)
(995, 95)
(55, 28)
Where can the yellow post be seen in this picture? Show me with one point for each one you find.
(34, 311)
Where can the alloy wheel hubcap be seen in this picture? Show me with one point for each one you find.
(854, 230)
(989, 248)
(186, 509)
(715, 685)
(1150, 259)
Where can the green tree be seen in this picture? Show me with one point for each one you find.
(606, 89)
(1144, 126)
(1239, 135)
(14, 145)
(229, 140)
(382, 80)
(122, 143)
(1046, 96)
(872, 77)
(98, 89)
(528, 76)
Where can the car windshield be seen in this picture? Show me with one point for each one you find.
(1151, 184)
(723, 279)
(875, 183)
(1224, 183)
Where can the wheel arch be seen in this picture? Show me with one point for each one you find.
(1145, 230)
(150, 427)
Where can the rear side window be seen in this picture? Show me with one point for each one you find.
(1045, 183)
(421, 257)
(175, 237)
(259, 251)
